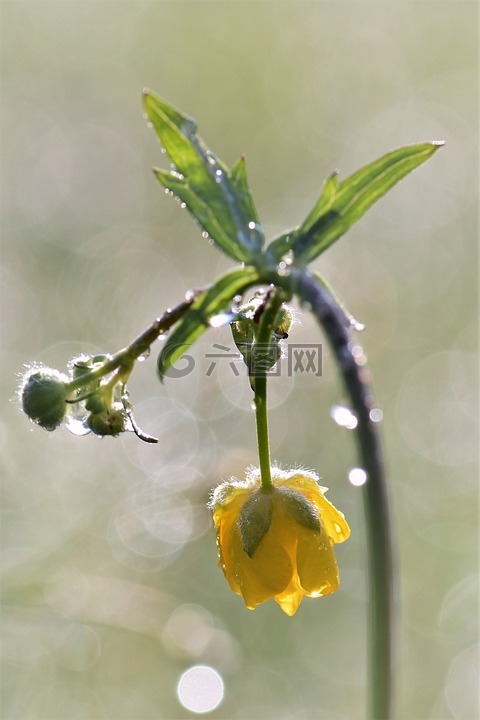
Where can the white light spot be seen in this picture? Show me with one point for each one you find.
(376, 415)
(359, 355)
(200, 689)
(357, 476)
(344, 417)
(252, 225)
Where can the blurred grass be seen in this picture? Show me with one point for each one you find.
(104, 541)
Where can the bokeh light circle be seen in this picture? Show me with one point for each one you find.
(200, 689)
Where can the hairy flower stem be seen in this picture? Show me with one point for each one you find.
(124, 360)
(263, 340)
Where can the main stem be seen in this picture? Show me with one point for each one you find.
(377, 515)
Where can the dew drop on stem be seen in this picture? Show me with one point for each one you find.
(344, 417)
(76, 426)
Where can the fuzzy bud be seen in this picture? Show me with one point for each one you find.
(43, 396)
(108, 422)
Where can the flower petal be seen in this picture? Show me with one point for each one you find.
(332, 519)
(290, 599)
(316, 564)
(225, 519)
(265, 575)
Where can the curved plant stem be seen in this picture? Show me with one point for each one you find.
(378, 528)
(126, 357)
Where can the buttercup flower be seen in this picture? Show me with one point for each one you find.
(279, 542)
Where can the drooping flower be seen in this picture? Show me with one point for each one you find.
(278, 542)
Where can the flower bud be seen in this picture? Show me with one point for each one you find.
(95, 404)
(107, 422)
(43, 396)
(284, 321)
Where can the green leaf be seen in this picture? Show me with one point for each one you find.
(239, 180)
(341, 204)
(220, 200)
(281, 244)
(216, 300)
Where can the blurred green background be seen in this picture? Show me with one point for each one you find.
(110, 585)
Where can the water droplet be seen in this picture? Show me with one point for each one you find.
(358, 326)
(76, 426)
(163, 151)
(344, 417)
(189, 127)
(183, 205)
(376, 415)
(211, 159)
(357, 476)
(210, 241)
(222, 319)
(252, 225)
(144, 356)
(288, 257)
(359, 355)
(253, 405)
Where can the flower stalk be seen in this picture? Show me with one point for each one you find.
(266, 316)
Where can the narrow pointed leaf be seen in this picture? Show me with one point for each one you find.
(219, 199)
(217, 299)
(324, 203)
(341, 205)
(239, 180)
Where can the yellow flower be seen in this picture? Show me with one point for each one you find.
(278, 543)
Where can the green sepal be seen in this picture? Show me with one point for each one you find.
(341, 204)
(195, 321)
(255, 519)
(220, 200)
(301, 510)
